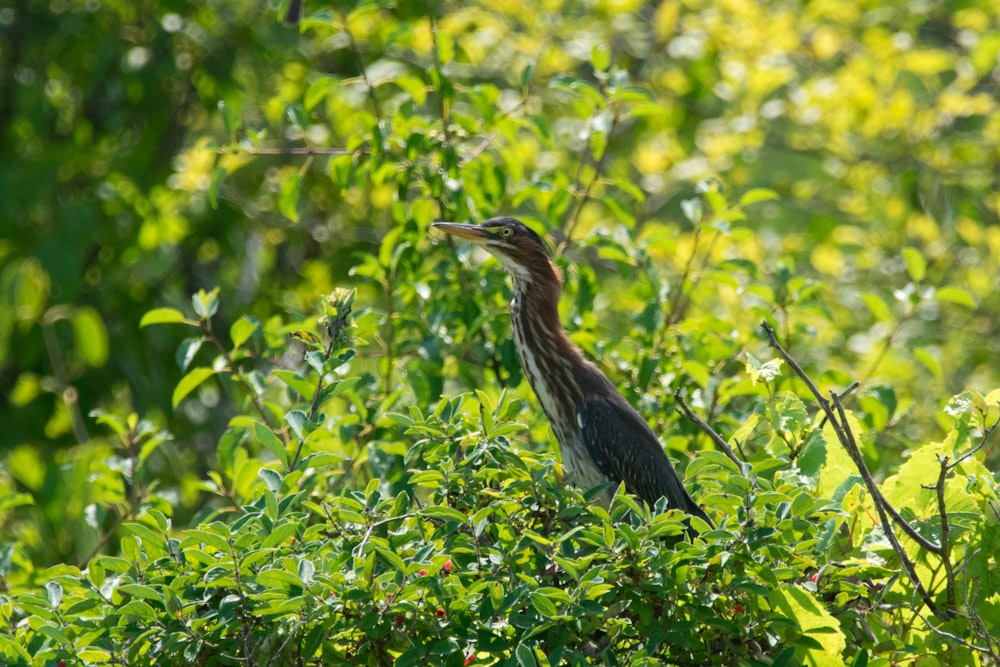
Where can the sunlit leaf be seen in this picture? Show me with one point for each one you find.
(266, 437)
(916, 265)
(161, 316)
(190, 382)
(288, 198)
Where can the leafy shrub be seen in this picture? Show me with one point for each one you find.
(268, 490)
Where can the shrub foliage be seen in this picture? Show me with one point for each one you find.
(260, 417)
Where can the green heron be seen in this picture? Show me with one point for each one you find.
(602, 438)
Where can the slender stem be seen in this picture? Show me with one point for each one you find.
(68, 393)
(881, 507)
(436, 55)
(295, 150)
(837, 417)
(572, 221)
(949, 571)
(719, 441)
(846, 438)
(206, 326)
(982, 443)
(359, 59)
(884, 350)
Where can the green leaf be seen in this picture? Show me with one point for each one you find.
(187, 350)
(141, 591)
(755, 195)
(764, 372)
(526, 74)
(414, 87)
(230, 116)
(525, 656)
(916, 265)
(878, 306)
(137, 609)
(955, 295)
(600, 57)
(543, 605)
(271, 442)
(218, 176)
(208, 538)
(319, 90)
(205, 304)
(55, 593)
(288, 197)
(930, 362)
(190, 382)
(9, 646)
(242, 329)
(90, 337)
(162, 316)
(296, 116)
(692, 210)
(301, 386)
(340, 168)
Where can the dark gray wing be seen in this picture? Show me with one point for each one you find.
(625, 449)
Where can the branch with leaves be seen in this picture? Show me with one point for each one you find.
(889, 517)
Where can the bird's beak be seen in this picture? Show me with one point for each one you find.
(471, 232)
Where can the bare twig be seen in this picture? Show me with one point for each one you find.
(982, 443)
(296, 150)
(359, 59)
(436, 55)
(949, 570)
(206, 327)
(68, 393)
(572, 220)
(883, 508)
(955, 638)
(359, 550)
(719, 441)
(838, 420)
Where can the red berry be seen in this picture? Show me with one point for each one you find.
(447, 566)
(388, 596)
(440, 612)
(738, 608)
(422, 572)
(61, 663)
(400, 619)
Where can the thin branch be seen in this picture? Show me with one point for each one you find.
(206, 326)
(68, 393)
(949, 571)
(296, 150)
(436, 55)
(956, 638)
(359, 59)
(884, 509)
(846, 438)
(838, 420)
(719, 441)
(982, 443)
(572, 221)
(359, 550)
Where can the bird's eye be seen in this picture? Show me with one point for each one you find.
(506, 232)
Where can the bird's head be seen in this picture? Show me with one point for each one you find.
(521, 251)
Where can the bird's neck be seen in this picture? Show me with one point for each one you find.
(549, 360)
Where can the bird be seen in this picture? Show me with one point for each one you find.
(602, 438)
